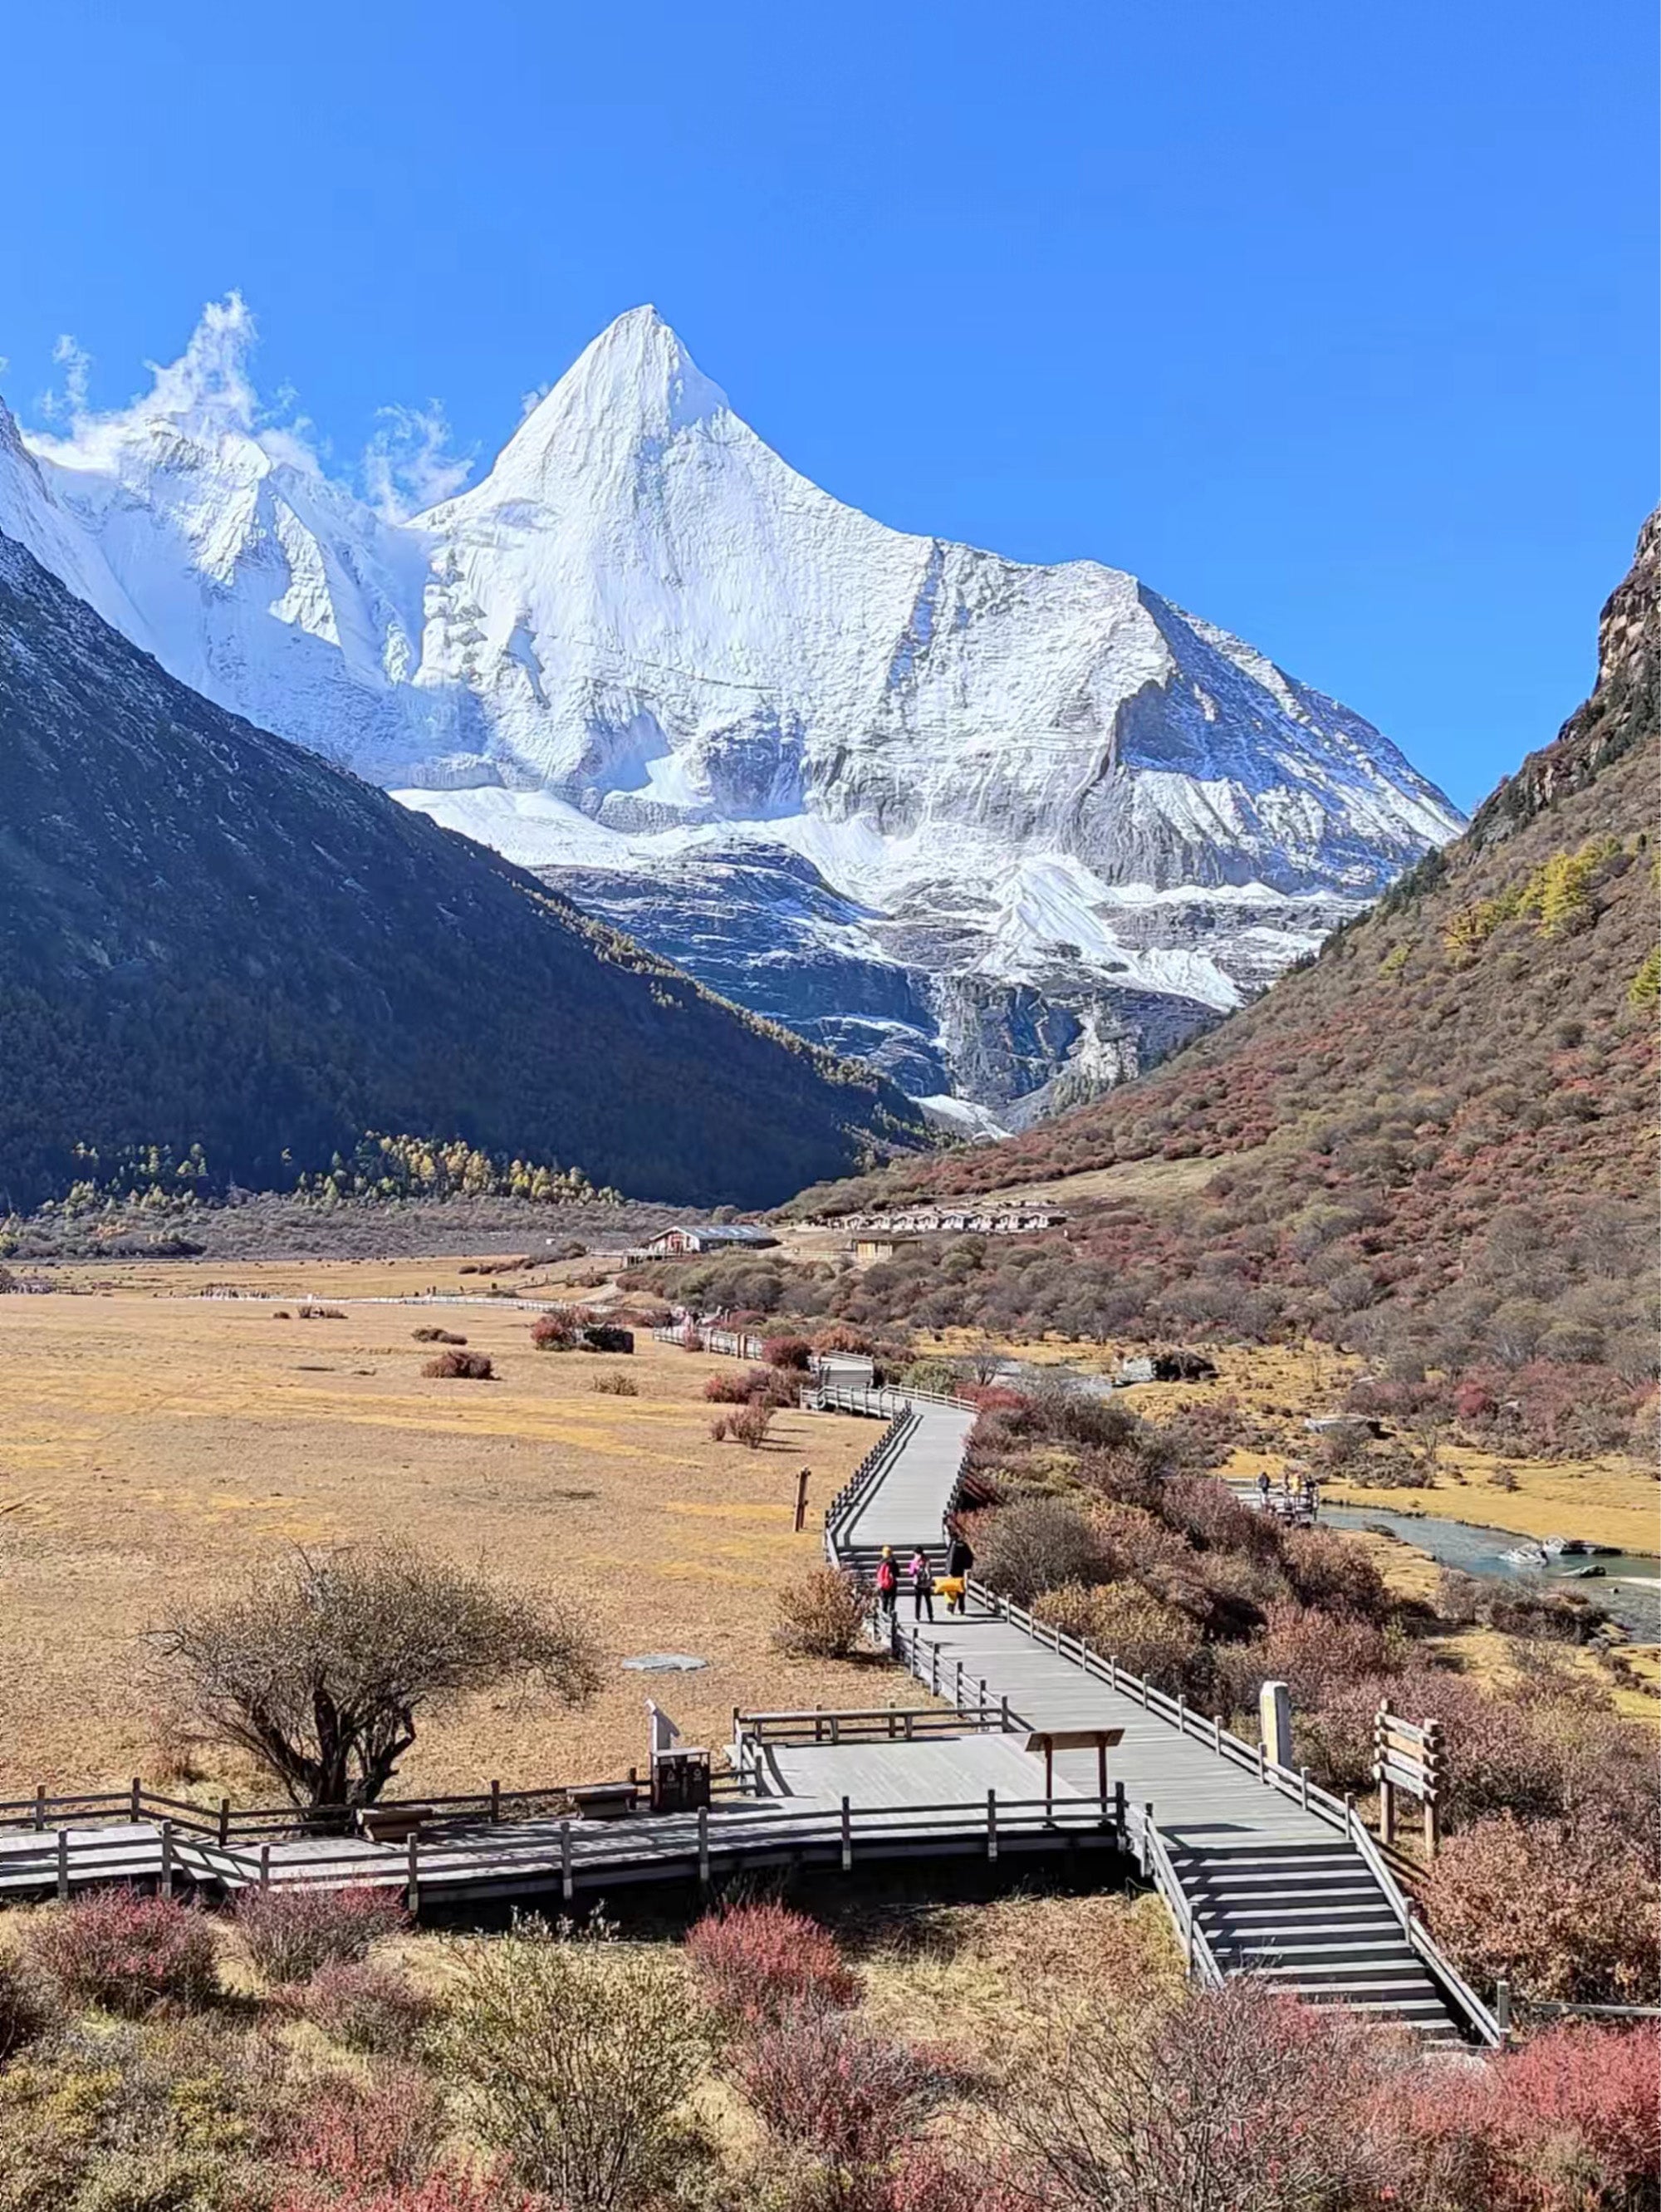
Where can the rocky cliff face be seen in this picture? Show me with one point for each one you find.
(647, 656)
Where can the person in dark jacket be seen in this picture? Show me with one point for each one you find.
(960, 1560)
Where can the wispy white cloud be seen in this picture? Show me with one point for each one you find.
(210, 392)
(531, 401)
(68, 403)
(408, 465)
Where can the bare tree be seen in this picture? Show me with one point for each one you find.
(319, 1667)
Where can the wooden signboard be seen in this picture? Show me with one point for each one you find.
(1051, 1741)
(1407, 1755)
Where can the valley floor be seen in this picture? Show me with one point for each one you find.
(155, 1446)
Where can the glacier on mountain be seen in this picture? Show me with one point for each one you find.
(1005, 829)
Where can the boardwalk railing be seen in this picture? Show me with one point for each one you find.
(1338, 1813)
(1156, 1865)
(734, 1344)
(564, 1853)
(844, 1509)
(752, 1732)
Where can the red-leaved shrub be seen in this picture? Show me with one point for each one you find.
(821, 2081)
(1570, 2122)
(367, 2007)
(292, 1932)
(793, 1352)
(369, 2134)
(129, 1953)
(1563, 1912)
(758, 1964)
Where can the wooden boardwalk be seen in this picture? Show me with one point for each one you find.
(1259, 1869)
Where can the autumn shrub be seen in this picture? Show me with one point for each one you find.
(1035, 1545)
(791, 1352)
(367, 2007)
(292, 1932)
(746, 1424)
(842, 1336)
(436, 1336)
(1333, 1572)
(25, 2014)
(1145, 1636)
(368, 2132)
(574, 2056)
(757, 1964)
(558, 1329)
(616, 1385)
(1237, 2099)
(320, 1313)
(1309, 1650)
(1568, 2122)
(824, 1615)
(1564, 1913)
(129, 1954)
(461, 1366)
(757, 1386)
(823, 2083)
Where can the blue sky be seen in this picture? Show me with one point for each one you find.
(1336, 325)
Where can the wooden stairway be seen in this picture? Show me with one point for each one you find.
(1311, 1919)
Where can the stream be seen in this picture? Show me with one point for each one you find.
(1629, 1589)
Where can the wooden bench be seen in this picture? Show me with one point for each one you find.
(605, 1801)
(392, 1824)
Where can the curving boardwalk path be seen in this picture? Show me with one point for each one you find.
(1259, 1874)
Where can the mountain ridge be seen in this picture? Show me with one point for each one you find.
(643, 635)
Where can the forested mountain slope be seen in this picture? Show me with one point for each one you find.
(209, 935)
(1437, 1141)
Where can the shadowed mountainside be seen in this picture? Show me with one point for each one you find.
(209, 935)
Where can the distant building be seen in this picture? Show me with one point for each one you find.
(943, 1221)
(684, 1240)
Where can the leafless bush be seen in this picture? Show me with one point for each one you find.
(1230, 2100)
(320, 1313)
(293, 1933)
(748, 1425)
(461, 1366)
(319, 1667)
(823, 1616)
(368, 2007)
(615, 1386)
(436, 1336)
(576, 2056)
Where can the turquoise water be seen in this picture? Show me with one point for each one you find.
(1629, 1589)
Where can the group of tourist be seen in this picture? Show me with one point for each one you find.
(920, 1575)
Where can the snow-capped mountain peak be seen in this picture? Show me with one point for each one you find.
(1040, 797)
(635, 383)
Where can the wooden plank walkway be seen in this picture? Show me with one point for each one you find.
(1259, 1871)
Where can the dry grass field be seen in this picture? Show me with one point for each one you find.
(154, 1446)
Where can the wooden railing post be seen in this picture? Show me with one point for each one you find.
(412, 1884)
(1502, 2010)
(992, 1824)
(167, 1858)
(847, 1835)
(265, 1866)
(703, 1847)
(62, 1864)
(137, 1799)
(224, 1822)
(495, 1804)
(40, 1804)
(567, 1880)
